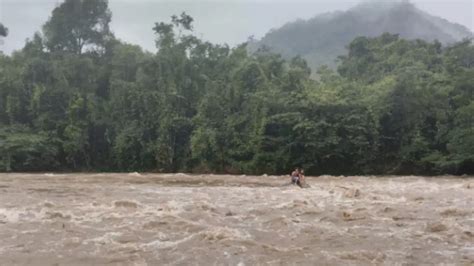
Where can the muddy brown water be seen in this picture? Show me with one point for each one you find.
(178, 219)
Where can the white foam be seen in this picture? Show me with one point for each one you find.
(134, 174)
(220, 233)
(107, 238)
(10, 215)
(159, 244)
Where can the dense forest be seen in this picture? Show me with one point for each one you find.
(75, 98)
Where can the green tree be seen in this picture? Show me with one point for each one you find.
(75, 98)
(76, 25)
(23, 150)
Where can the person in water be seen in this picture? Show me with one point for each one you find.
(296, 176)
(301, 176)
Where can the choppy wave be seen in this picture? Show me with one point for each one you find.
(141, 219)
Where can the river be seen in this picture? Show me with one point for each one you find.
(179, 219)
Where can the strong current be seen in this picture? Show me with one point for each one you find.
(178, 219)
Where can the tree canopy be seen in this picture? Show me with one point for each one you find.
(76, 24)
(393, 106)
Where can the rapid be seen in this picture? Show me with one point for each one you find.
(180, 219)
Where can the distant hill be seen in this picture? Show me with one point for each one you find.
(321, 39)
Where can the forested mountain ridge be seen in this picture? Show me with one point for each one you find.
(89, 102)
(322, 39)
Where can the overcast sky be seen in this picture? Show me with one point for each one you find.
(221, 21)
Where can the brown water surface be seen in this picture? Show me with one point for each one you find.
(178, 219)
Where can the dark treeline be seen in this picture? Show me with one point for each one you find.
(77, 99)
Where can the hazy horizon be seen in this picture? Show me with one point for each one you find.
(218, 21)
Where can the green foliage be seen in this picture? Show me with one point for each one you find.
(76, 24)
(393, 106)
(23, 150)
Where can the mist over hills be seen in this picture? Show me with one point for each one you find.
(322, 38)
